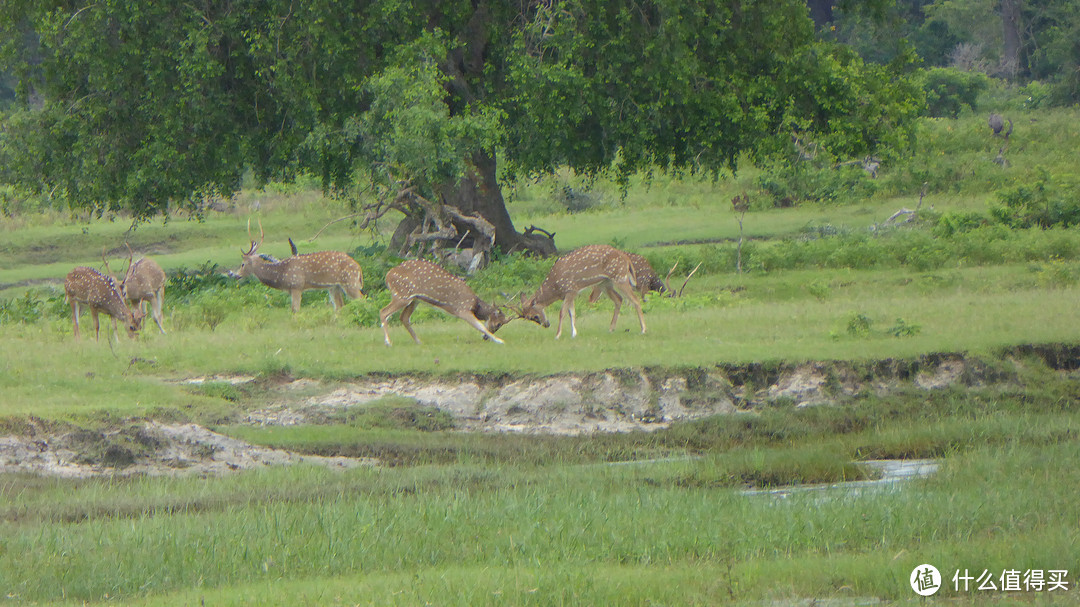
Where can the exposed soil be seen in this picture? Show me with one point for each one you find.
(617, 400)
(150, 448)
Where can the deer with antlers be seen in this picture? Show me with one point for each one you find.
(101, 293)
(144, 282)
(418, 280)
(602, 266)
(334, 271)
(648, 280)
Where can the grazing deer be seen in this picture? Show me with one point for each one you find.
(417, 280)
(595, 265)
(88, 287)
(145, 282)
(334, 271)
(647, 279)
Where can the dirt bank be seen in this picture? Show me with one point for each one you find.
(617, 400)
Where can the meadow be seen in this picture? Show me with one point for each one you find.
(989, 265)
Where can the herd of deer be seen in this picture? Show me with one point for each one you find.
(606, 269)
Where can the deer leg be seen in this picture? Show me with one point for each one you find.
(595, 295)
(338, 295)
(472, 320)
(568, 304)
(155, 308)
(296, 296)
(94, 316)
(406, 314)
(617, 300)
(75, 317)
(628, 291)
(395, 305)
(562, 312)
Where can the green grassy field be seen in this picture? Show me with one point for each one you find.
(462, 518)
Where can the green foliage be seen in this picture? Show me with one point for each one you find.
(951, 223)
(395, 413)
(365, 312)
(511, 274)
(948, 90)
(24, 310)
(219, 389)
(820, 290)
(902, 328)
(859, 325)
(183, 282)
(1041, 204)
(34, 306)
(1057, 273)
(813, 182)
(410, 129)
(153, 107)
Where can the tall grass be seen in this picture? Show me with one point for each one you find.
(616, 518)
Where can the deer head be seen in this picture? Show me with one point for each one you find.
(100, 293)
(334, 271)
(529, 310)
(418, 280)
(594, 265)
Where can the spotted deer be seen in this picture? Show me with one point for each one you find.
(417, 280)
(88, 287)
(144, 282)
(647, 279)
(334, 271)
(602, 266)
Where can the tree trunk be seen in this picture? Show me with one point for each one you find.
(478, 193)
(821, 12)
(1011, 64)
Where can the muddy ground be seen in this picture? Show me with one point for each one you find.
(619, 400)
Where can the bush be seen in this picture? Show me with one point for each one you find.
(948, 90)
(510, 274)
(1042, 204)
(955, 222)
(33, 306)
(183, 282)
(802, 182)
(375, 261)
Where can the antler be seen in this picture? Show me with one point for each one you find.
(262, 235)
(108, 270)
(667, 284)
(131, 257)
(518, 310)
(688, 277)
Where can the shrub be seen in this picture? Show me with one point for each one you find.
(1041, 204)
(951, 223)
(510, 274)
(948, 90)
(803, 182)
(902, 328)
(184, 282)
(21, 310)
(375, 261)
(859, 325)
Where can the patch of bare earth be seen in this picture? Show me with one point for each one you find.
(618, 400)
(151, 448)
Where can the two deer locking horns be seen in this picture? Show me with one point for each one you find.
(604, 269)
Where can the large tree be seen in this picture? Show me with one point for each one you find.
(149, 106)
